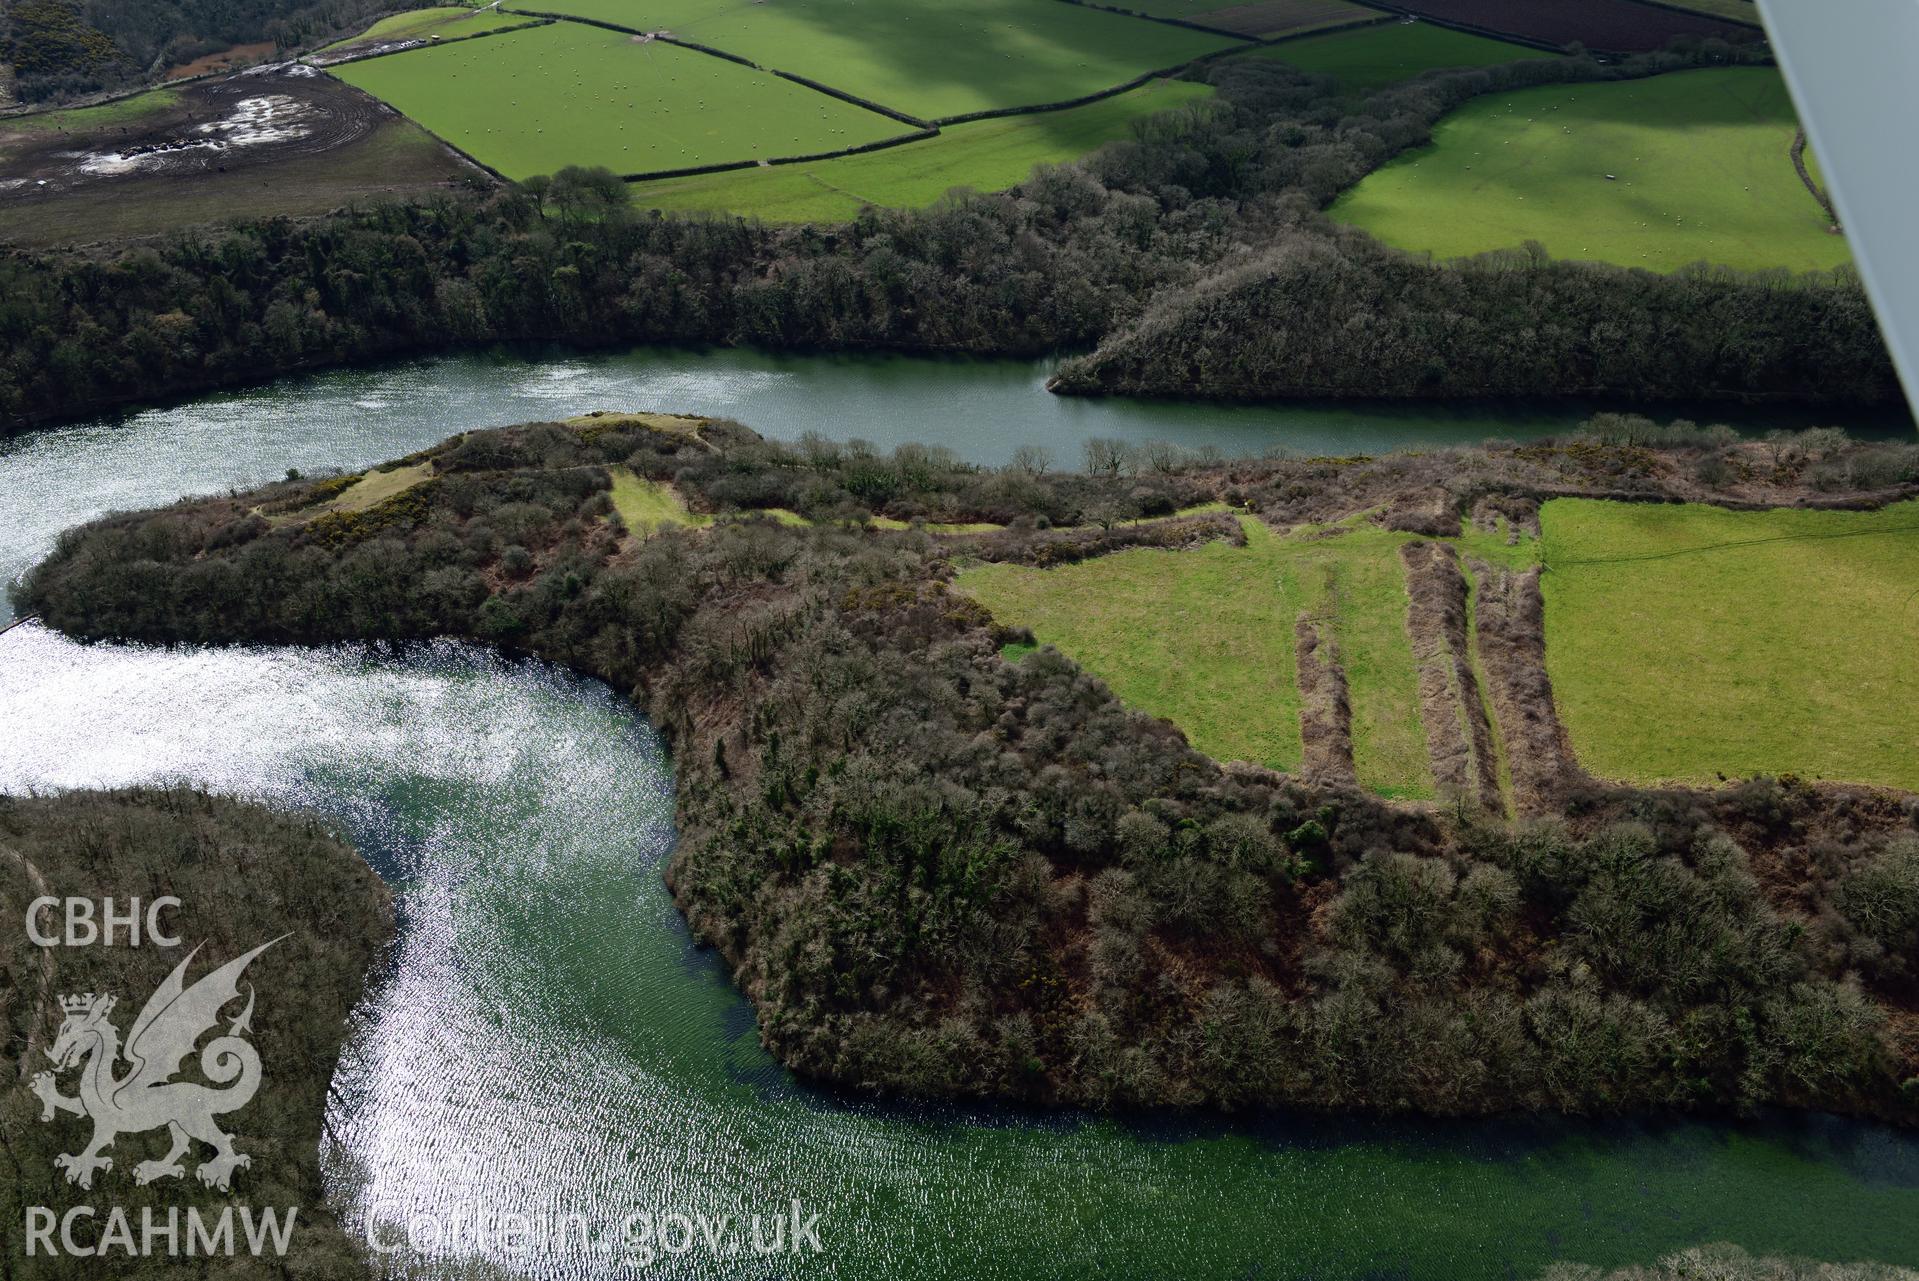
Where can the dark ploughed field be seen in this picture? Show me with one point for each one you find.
(1622, 26)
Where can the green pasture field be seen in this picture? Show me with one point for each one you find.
(985, 155)
(1371, 58)
(1205, 638)
(1270, 18)
(449, 23)
(535, 101)
(1687, 642)
(1699, 165)
(926, 58)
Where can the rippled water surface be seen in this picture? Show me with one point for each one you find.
(982, 409)
(548, 1038)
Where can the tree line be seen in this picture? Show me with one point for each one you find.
(66, 48)
(1075, 254)
(1342, 315)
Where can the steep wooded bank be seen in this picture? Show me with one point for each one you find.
(61, 48)
(938, 872)
(1065, 260)
(1342, 315)
(244, 875)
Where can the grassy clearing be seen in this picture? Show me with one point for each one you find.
(535, 101)
(1702, 650)
(986, 155)
(451, 23)
(1267, 18)
(1371, 58)
(928, 58)
(1202, 637)
(1358, 582)
(375, 487)
(685, 426)
(646, 506)
(1205, 638)
(972, 527)
(1700, 170)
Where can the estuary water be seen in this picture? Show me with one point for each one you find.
(981, 409)
(549, 1042)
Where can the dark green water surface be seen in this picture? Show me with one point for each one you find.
(549, 1039)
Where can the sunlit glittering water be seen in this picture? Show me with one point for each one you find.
(549, 1041)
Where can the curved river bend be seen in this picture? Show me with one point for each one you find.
(549, 1040)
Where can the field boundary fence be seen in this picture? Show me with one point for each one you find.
(415, 46)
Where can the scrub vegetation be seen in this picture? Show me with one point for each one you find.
(243, 875)
(939, 872)
(1653, 173)
(1730, 1263)
(61, 48)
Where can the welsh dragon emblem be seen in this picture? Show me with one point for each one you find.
(146, 1097)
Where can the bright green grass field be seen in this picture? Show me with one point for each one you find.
(1701, 166)
(417, 24)
(1704, 656)
(1205, 639)
(986, 155)
(927, 58)
(535, 101)
(1373, 57)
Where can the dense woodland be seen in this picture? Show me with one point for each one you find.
(1182, 218)
(1328, 314)
(243, 875)
(939, 872)
(63, 48)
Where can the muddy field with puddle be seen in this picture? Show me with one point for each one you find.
(263, 116)
(277, 139)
